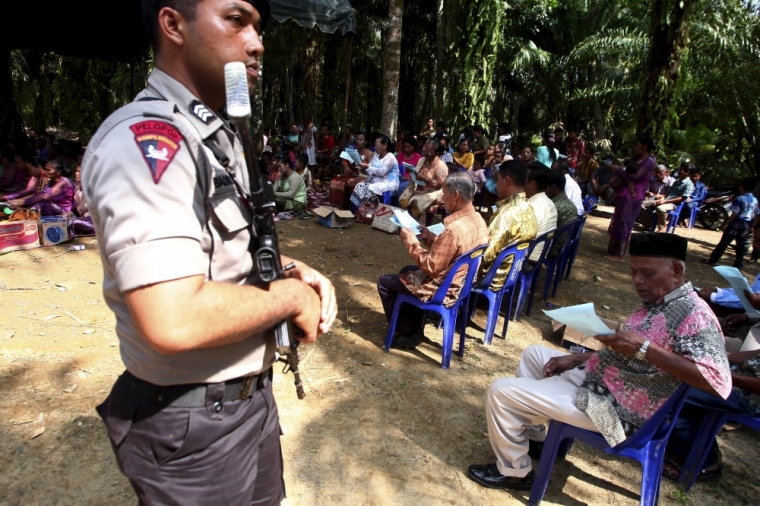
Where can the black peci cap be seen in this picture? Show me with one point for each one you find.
(658, 245)
(265, 11)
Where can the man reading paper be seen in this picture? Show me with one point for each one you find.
(674, 337)
(465, 230)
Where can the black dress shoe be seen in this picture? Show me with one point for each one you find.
(406, 341)
(489, 476)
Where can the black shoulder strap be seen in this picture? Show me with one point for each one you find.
(151, 99)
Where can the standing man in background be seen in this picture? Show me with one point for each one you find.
(192, 420)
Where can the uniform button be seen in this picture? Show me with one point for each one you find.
(218, 407)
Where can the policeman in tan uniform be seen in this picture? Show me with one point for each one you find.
(192, 420)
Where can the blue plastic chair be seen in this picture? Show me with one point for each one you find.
(589, 203)
(646, 446)
(711, 426)
(526, 278)
(694, 212)
(495, 299)
(471, 260)
(553, 271)
(672, 218)
(572, 250)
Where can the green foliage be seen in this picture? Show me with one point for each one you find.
(532, 63)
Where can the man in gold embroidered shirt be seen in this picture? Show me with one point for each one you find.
(514, 222)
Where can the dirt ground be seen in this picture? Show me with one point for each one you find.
(375, 428)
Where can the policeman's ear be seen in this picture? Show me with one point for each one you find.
(173, 26)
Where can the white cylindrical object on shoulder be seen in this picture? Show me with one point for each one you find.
(236, 83)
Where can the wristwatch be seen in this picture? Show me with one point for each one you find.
(642, 352)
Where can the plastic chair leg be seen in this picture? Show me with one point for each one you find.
(545, 466)
(507, 312)
(448, 340)
(711, 426)
(461, 318)
(550, 267)
(522, 296)
(652, 474)
(392, 325)
(532, 294)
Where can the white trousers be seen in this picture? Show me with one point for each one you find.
(517, 408)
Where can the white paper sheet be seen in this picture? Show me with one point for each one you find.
(405, 220)
(582, 318)
(436, 229)
(354, 154)
(739, 283)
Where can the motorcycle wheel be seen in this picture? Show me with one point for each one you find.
(712, 216)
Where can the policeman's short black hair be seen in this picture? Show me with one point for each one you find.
(151, 8)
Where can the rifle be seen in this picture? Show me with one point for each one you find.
(265, 249)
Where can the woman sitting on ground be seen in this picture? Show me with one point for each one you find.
(81, 224)
(289, 190)
(36, 182)
(462, 157)
(407, 155)
(383, 173)
(432, 171)
(55, 199)
(342, 186)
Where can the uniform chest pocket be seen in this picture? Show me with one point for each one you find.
(230, 211)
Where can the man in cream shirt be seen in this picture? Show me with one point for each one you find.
(546, 213)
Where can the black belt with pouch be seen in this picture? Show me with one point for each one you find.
(192, 395)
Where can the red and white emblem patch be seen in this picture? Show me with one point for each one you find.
(159, 142)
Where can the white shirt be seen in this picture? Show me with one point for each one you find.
(546, 216)
(574, 193)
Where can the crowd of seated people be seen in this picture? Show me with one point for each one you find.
(43, 174)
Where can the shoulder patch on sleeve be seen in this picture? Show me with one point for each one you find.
(159, 142)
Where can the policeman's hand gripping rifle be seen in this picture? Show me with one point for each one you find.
(266, 253)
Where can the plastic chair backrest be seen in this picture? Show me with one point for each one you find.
(546, 239)
(471, 259)
(581, 222)
(519, 251)
(589, 203)
(661, 422)
(401, 171)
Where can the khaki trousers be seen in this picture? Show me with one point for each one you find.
(517, 408)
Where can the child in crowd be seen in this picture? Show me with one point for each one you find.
(302, 170)
(745, 214)
(478, 175)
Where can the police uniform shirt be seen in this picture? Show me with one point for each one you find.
(159, 218)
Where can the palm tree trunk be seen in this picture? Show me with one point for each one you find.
(392, 67)
(669, 38)
(439, 61)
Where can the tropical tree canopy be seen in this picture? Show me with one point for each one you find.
(686, 72)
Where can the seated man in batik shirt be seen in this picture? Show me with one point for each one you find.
(514, 222)
(673, 338)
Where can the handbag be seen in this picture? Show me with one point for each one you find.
(384, 219)
(365, 213)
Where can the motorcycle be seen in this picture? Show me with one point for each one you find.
(716, 209)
